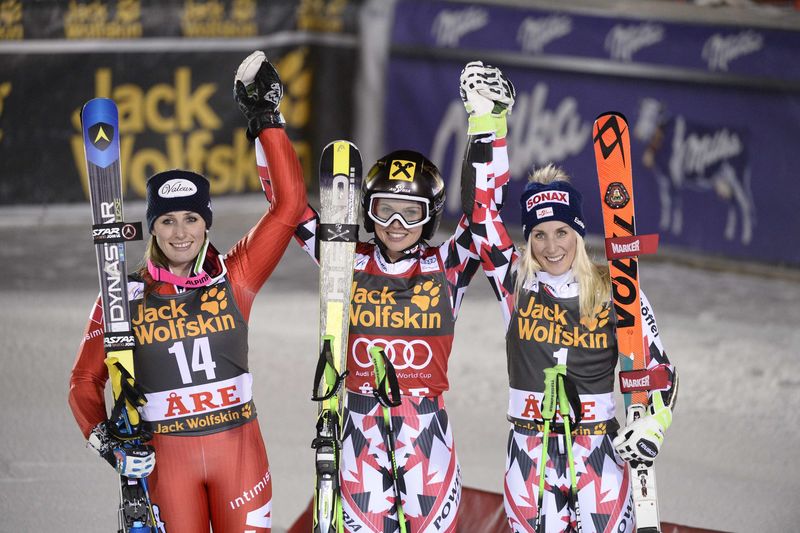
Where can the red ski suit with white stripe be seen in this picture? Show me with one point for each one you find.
(211, 465)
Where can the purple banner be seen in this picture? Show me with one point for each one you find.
(738, 50)
(712, 167)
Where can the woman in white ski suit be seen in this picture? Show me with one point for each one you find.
(557, 309)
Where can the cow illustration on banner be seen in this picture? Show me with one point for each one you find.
(689, 157)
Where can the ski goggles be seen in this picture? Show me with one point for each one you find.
(410, 211)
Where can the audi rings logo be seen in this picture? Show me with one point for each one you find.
(403, 354)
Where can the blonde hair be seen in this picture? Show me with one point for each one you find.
(548, 174)
(594, 281)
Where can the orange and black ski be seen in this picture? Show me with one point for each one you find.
(623, 246)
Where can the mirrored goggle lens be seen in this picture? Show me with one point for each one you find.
(410, 212)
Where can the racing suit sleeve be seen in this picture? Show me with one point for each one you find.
(89, 375)
(307, 223)
(484, 180)
(460, 261)
(658, 360)
(251, 260)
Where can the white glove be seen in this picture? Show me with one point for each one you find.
(641, 440)
(128, 459)
(488, 96)
(489, 82)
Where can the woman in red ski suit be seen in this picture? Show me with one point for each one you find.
(190, 307)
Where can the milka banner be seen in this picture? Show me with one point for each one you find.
(712, 127)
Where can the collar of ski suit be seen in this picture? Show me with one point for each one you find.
(207, 270)
(562, 286)
(412, 252)
(401, 265)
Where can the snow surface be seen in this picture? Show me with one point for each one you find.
(729, 461)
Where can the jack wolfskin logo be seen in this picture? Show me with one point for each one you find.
(598, 320)
(426, 295)
(214, 301)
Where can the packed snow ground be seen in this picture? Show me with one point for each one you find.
(729, 461)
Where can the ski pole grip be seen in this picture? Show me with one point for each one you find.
(549, 399)
(387, 389)
(326, 374)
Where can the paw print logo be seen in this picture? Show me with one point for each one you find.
(426, 295)
(599, 318)
(213, 301)
(246, 412)
(600, 429)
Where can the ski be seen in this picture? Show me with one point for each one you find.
(340, 194)
(100, 122)
(623, 246)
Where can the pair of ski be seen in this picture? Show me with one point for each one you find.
(623, 245)
(100, 124)
(340, 177)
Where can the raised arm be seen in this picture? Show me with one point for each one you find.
(461, 261)
(306, 224)
(258, 91)
(488, 96)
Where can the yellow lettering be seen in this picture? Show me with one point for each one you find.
(130, 101)
(194, 104)
(161, 93)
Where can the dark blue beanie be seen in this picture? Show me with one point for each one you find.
(557, 200)
(177, 190)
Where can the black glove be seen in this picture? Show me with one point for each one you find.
(258, 91)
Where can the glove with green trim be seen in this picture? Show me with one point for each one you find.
(641, 440)
(488, 97)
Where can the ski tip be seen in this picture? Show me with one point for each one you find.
(100, 124)
(340, 142)
(617, 114)
(99, 110)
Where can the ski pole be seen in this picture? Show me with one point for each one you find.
(563, 408)
(548, 412)
(387, 392)
(328, 512)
